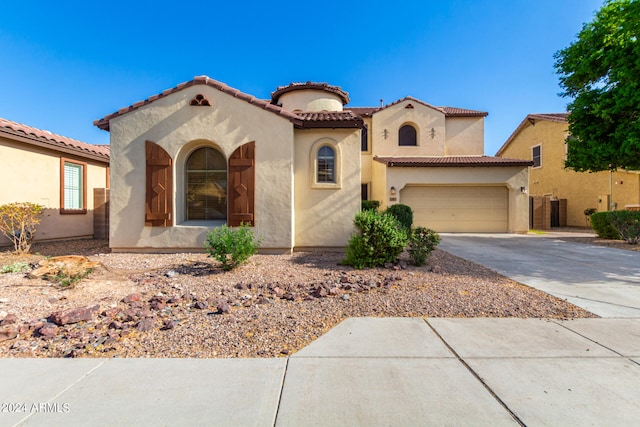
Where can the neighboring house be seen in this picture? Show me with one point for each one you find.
(57, 172)
(543, 139)
(295, 168)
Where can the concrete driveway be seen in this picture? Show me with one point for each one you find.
(602, 280)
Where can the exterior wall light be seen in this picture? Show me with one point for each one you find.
(523, 190)
(392, 191)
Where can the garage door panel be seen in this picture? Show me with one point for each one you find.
(458, 209)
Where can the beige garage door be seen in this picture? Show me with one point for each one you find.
(458, 209)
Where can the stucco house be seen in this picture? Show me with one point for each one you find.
(57, 172)
(297, 166)
(542, 138)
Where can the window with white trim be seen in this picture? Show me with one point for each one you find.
(324, 161)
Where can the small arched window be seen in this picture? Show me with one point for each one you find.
(326, 164)
(407, 136)
(206, 185)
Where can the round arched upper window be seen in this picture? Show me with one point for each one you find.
(407, 135)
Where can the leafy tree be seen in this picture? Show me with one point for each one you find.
(600, 70)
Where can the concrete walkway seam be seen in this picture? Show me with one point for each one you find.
(475, 374)
(596, 342)
(284, 378)
(63, 391)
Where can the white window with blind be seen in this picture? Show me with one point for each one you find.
(73, 178)
(325, 158)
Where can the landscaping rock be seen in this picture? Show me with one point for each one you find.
(48, 330)
(146, 324)
(132, 298)
(76, 315)
(200, 305)
(223, 307)
(8, 332)
(9, 319)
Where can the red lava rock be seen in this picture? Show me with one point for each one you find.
(75, 315)
(48, 330)
(115, 325)
(8, 332)
(111, 312)
(169, 324)
(132, 298)
(200, 305)
(9, 319)
(436, 269)
(223, 307)
(157, 305)
(279, 292)
(345, 279)
(145, 324)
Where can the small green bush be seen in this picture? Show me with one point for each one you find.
(422, 242)
(601, 224)
(402, 213)
(627, 224)
(16, 267)
(231, 246)
(379, 239)
(370, 205)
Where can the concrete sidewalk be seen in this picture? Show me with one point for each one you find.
(604, 281)
(364, 372)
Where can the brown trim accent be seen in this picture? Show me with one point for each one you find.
(64, 211)
(108, 177)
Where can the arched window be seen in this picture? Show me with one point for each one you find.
(206, 185)
(407, 135)
(326, 164)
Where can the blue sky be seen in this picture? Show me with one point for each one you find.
(65, 64)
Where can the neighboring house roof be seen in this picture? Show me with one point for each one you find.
(530, 120)
(43, 138)
(451, 161)
(103, 123)
(336, 90)
(447, 111)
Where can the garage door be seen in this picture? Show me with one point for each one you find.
(458, 209)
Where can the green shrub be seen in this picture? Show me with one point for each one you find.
(370, 205)
(16, 267)
(402, 213)
(627, 224)
(18, 222)
(601, 224)
(231, 246)
(422, 242)
(379, 239)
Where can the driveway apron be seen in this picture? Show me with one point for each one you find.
(604, 281)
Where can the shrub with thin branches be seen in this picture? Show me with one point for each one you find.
(18, 222)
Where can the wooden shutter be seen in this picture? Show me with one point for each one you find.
(159, 188)
(242, 177)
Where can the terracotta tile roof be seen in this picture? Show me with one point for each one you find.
(447, 111)
(330, 119)
(44, 138)
(337, 90)
(451, 161)
(530, 120)
(103, 123)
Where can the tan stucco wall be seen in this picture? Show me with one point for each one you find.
(310, 100)
(464, 136)
(324, 216)
(581, 189)
(511, 177)
(180, 128)
(32, 174)
(421, 117)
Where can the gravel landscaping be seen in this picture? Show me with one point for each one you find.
(184, 305)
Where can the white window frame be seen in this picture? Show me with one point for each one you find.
(539, 146)
(80, 190)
